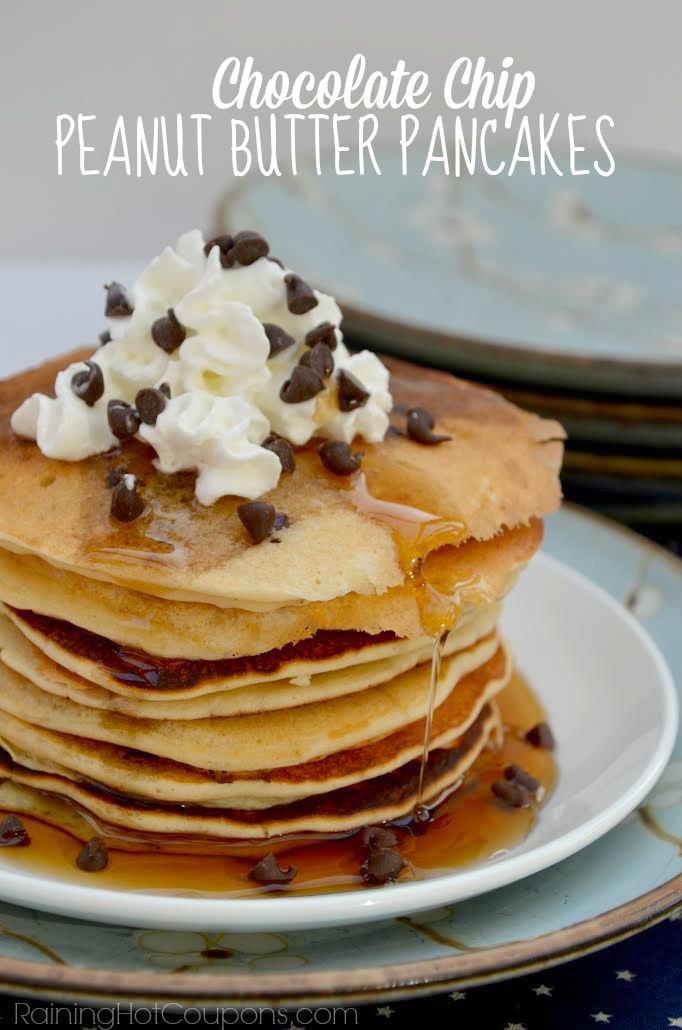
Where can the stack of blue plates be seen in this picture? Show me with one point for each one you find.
(564, 293)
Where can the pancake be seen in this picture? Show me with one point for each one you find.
(499, 469)
(141, 775)
(388, 797)
(267, 740)
(17, 652)
(472, 575)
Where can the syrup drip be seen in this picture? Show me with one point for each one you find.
(416, 533)
(468, 826)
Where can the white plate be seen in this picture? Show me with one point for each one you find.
(613, 709)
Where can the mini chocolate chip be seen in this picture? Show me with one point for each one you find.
(268, 870)
(248, 246)
(378, 837)
(541, 736)
(94, 856)
(104, 337)
(320, 359)
(281, 521)
(352, 393)
(300, 297)
(13, 833)
(277, 338)
(338, 458)
(165, 389)
(117, 303)
(150, 403)
(283, 450)
(322, 333)
(224, 244)
(258, 517)
(126, 503)
(167, 333)
(115, 475)
(303, 385)
(512, 794)
(518, 775)
(124, 421)
(88, 385)
(382, 865)
(420, 424)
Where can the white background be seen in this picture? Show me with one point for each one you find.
(159, 57)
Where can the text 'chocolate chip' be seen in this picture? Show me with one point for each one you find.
(88, 385)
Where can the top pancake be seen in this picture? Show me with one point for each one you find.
(500, 469)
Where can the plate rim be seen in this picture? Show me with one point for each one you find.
(373, 983)
(281, 915)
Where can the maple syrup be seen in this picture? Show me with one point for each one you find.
(469, 826)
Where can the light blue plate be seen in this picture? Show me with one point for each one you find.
(625, 881)
(572, 281)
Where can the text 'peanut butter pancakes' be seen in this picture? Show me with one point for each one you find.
(250, 586)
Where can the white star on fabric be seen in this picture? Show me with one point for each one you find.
(457, 995)
(674, 1020)
(625, 974)
(386, 1011)
(601, 1017)
(543, 990)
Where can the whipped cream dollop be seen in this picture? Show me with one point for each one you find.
(225, 388)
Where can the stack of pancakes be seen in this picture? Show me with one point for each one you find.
(170, 678)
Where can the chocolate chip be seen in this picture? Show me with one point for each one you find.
(283, 450)
(338, 458)
(248, 246)
(224, 244)
(382, 865)
(352, 393)
(104, 338)
(303, 385)
(13, 833)
(115, 475)
(150, 403)
(117, 303)
(300, 297)
(94, 856)
(420, 424)
(126, 503)
(124, 421)
(378, 837)
(277, 338)
(512, 794)
(167, 333)
(165, 389)
(281, 521)
(516, 774)
(541, 736)
(322, 333)
(268, 870)
(258, 517)
(320, 359)
(88, 385)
